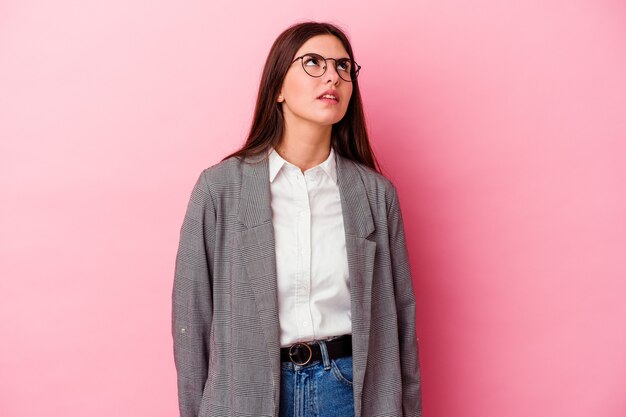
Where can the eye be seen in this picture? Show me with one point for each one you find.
(312, 61)
(344, 65)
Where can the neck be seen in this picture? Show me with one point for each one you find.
(305, 145)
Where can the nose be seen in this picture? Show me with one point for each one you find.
(331, 73)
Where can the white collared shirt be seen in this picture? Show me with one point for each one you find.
(311, 257)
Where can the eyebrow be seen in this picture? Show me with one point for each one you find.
(315, 53)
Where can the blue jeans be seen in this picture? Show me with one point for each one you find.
(317, 389)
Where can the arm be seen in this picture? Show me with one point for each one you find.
(405, 305)
(192, 306)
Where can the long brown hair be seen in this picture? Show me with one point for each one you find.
(349, 136)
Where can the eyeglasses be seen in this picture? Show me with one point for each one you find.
(315, 65)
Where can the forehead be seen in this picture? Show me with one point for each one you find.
(328, 46)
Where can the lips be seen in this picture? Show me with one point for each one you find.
(329, 95)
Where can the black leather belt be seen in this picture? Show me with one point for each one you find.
(302, 353)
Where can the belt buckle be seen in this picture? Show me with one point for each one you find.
(293, 353)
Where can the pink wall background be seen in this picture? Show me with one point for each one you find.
(503, 125)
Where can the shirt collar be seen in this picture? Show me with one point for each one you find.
(276, 162)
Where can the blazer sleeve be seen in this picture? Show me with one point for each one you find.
(405, 306)
(192, 305)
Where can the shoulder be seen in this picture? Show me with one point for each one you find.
(376, 184)
(222, 172)
(226, 176)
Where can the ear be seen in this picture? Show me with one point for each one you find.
(280, 98)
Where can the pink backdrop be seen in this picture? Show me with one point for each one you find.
(502, 125)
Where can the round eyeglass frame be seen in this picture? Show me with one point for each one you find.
(355, 70)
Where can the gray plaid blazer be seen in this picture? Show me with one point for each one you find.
(225, 324)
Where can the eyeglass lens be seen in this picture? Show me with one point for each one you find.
(315, 66)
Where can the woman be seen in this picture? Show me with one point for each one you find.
(292, 292)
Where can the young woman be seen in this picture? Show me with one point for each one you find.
(292, 292)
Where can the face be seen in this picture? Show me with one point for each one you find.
(301, 93)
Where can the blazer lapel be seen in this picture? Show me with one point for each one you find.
(358, 224)
(259, 256)
(258, 248)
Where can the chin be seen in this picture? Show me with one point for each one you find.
(326, 121)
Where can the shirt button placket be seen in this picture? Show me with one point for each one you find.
(307, 321)
(303, 234)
